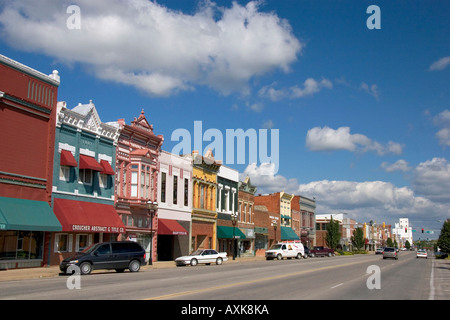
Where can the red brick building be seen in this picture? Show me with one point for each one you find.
(27, 136)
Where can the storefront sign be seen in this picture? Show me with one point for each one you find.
(77, 227)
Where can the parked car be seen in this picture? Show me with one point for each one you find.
(379, 250)
(321, 251)
(306, 252)
(206, 256)
(390, 252)
(422, 253)
(118, 255)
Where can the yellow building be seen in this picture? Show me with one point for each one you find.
(204, 214)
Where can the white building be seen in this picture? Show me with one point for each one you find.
(402, 232)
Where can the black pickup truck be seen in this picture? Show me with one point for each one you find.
(321, 251)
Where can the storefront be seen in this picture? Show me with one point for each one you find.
(83, 224)
(173, 240)
(25, 228)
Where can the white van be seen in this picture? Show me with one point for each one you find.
(286, 249)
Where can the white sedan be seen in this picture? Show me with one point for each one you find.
(206, 256)
(422, 253)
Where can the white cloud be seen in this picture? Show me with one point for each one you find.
(146, 45)
(441, 64)
(364, 201)
(399, 165)
(328, 139)
(432, 179)
(443, 120)
(310, 86)
(372, 89)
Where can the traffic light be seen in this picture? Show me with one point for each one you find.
(422, 230)
(406, 230)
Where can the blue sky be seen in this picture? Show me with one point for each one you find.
(363, 115)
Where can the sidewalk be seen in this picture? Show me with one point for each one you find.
(53, 271)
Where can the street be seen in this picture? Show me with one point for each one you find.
(335, 278)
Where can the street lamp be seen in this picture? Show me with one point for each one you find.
(234, 216)
(151, 206)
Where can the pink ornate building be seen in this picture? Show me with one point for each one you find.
(137, 167)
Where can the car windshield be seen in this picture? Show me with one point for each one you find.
(91, 248)
(196, 253)
(275, 247)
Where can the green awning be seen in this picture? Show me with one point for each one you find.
(288, 234)
(224, 232)
(29, 215)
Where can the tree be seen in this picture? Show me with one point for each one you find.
(444, 238)
(407, 245)
(358, 238)
(389, 242)
(333, 234)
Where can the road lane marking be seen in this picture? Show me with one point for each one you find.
(225, 286)
(431, 296)
(338, 285)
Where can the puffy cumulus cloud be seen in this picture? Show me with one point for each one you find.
(310, 86)
(146, 45)
(364, 201)
(328, 139)
(432, 179)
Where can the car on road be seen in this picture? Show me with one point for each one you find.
(379, 250)
(206, 256)
(118, 255)
(318, 251)
(286, 249)
(422, 253)
(390, 252)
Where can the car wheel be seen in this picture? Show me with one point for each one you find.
(219, 261)
(85, 268)
(329, 254)
(279, 257)
(194, 262)
(134, 266)
(312, 255)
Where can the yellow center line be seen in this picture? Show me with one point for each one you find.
(182, 293)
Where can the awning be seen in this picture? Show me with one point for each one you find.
(107, 169)
(288, 234)
(87, 162)
(171, 227)
(82, 216)
(224, 232)
(67, 159)
(29, 215)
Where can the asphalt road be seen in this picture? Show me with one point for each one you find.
(335, 278)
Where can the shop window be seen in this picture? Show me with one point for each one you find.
(63, 242)
(163, 187)
(175, 190)
(186, 192)
(82, 241)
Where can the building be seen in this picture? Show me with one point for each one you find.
(307, 221)
(246, 220)
(279, 205)
(204, 213)
(402, 232)
(28, 100)
(229, 236)
(83, 180)
(175, 205)
(137, 167)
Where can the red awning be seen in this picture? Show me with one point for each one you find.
(82, 216)
(87, 162)
(107, 169)
(171, 227)
(67, 159)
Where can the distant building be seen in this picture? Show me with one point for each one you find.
(402, 232)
